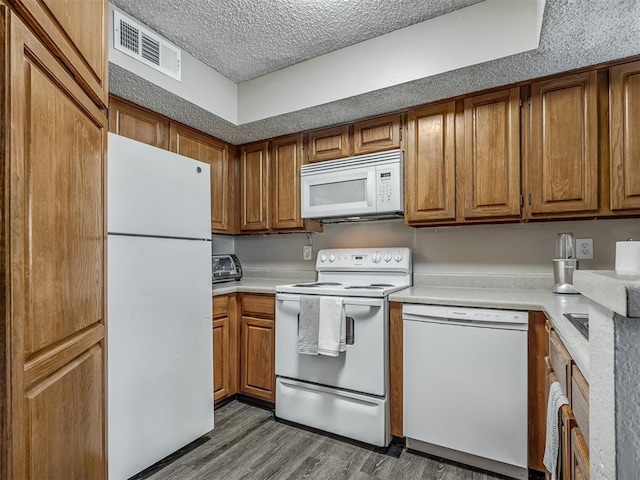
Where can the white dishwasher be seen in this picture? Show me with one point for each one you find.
(465, 385)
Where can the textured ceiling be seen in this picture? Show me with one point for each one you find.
(244, 39)
(575, 33)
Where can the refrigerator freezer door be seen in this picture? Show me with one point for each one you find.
(155, 192)
(160, 378)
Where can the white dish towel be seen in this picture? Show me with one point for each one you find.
(332, 327)
(552, 448)
(308, 324)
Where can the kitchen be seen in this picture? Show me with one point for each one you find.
(518, 254)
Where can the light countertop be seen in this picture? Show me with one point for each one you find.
(619, 293)
(553, 305)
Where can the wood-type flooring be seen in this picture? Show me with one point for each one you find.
(247, 443)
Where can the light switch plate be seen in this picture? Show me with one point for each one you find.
(584, 248)
(307, 252)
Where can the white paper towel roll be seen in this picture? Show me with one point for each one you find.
(628, 258)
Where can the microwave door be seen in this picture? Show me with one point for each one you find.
(339, 193)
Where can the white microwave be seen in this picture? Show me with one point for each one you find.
(364, 187)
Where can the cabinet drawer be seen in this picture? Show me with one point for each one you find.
(580, 401)
(261, 305)
(220, 306)
(560, 361)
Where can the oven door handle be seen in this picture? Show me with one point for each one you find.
(367, 302)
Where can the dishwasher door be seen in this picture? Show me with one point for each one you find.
(465, 385)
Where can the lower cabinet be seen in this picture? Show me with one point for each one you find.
(573, 418)
(225, 346)
(257, 350)
(244, 346)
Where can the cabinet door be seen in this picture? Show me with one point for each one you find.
(563, 175)
(286, 157)
(579, 456)
(376, 135)
(198, 146)
(430, 183)
(55, 178)
(624, 85)
(77, 31)
(490, 169)
(221, 357)
(328, 144)
(138, 123)
(254, 187)
(257, 362)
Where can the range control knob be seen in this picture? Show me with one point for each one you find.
(323, 258)
(332, 258)
(398, 257)
(376, 258)
(387, 258)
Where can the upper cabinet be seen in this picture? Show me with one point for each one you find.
(368, 136)
(563, 156)
(430, 162)
(77, 32)
(376, 134)
(286, 158)
(270, 187)
(254, 187)
(624, 115)
(138, 123)
(329, 144)
(489, 171)
(188, 142)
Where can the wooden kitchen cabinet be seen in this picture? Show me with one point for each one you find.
(286, 158)
(76, 32)
(254, 187)
(270, 187)
(328, 144)
(377, 134)
(257, 346)
(579, 456)
(430, 164)
(563, 156)
(574, 418)
(225, 346)
(52, 390)
(624, 140)
(138, 123)
(190, 143)
(489, 171)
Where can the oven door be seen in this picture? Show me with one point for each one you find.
(339, 192)
(364, 365)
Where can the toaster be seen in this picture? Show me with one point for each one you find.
(225, 268)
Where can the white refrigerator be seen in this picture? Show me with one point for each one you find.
(159, 338)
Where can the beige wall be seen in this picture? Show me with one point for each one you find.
(511, 248)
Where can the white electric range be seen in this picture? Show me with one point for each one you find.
(348, 394)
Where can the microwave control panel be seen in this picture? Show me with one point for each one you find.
(389, 188)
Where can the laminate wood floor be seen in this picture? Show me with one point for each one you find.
(247, 443)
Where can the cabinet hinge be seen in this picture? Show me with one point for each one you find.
(520, 102)
(521, 200)
(529, 199)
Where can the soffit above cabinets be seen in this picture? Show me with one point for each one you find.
(338, 81)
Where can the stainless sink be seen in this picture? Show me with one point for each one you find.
(580, 321)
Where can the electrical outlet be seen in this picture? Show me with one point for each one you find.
(307, 252)
(584, 248)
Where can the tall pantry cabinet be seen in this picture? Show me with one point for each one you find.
(52, 238)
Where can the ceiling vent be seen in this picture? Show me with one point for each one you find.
(142, 44)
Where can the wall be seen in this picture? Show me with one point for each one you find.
(476, 249)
